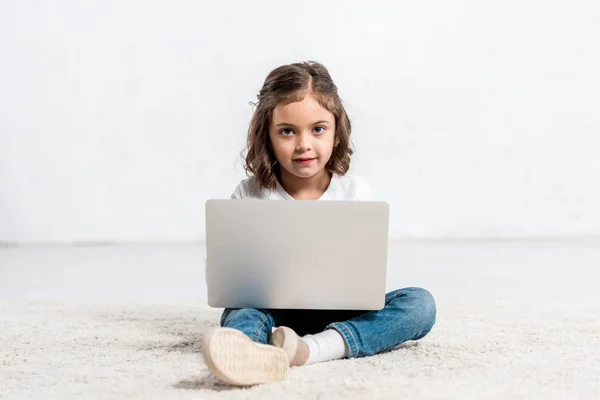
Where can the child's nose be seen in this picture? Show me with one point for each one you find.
(304, 141)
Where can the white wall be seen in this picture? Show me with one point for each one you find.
(473, 119)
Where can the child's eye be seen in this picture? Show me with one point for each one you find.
(319, 129)
(286, 132)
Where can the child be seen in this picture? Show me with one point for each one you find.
(299, 148)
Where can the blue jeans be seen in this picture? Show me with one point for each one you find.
(408, 314)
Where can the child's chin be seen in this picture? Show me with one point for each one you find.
(305, 173)
(308, 174)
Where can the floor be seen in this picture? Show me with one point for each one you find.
(516, 319)
(158, 273)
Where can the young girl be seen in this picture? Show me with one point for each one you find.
(299, 148)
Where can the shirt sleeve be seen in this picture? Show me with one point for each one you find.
(364, 191)
(237, 193)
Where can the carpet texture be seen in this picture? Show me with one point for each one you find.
(493, 350)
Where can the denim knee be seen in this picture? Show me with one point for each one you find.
(226, 313)
(240, 313)
(422, 303)
(427, 306)
(256, 324)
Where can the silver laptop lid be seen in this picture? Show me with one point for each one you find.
(296, 254)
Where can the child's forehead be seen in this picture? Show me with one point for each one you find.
(308, 107)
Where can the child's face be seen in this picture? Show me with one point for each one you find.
(302, 134)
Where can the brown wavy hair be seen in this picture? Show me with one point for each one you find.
(284, 85)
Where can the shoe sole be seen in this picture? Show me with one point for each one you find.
(234, 358)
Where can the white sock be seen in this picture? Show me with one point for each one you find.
(325, 346)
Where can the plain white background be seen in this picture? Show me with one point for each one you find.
(118, 119)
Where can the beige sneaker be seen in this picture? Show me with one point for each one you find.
(234, 358)
(295, 348)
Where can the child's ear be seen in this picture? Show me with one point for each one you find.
(336, 141)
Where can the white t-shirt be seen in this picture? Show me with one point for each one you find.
(340, 188)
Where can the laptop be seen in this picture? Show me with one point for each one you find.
(321, 255)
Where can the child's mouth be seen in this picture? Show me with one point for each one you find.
(304, 161)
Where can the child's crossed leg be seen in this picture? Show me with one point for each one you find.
(238, 352)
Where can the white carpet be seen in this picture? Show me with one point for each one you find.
(501, 350)
(515, 320)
